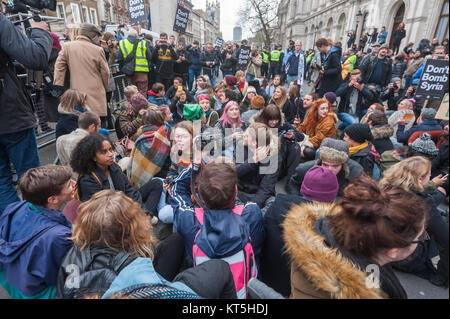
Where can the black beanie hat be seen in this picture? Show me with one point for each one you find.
(359, 132)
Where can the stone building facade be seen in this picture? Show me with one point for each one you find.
(308, 20)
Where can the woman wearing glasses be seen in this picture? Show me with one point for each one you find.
(343, 250)
(413, 174)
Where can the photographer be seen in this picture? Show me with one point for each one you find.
(164, 57)
(195, 69)
(229, 61)
(17, 124)
(352, 92)
(393, 94)
(181, 67)
(209, 60)
(377, 69)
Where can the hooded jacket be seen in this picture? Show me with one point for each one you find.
(153, 98)
(332, 78)
(32, 246)
(320, 268)
(382, 138)
(223, 233)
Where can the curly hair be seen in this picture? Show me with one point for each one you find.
(114, 220)
(82, 157)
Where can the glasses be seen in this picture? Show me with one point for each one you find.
(424, 237)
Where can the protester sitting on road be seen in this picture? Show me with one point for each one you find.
(280, 99)
(181, 98)
(258, 173)
(257, 105)
(381, 131)
(219, 228)
(93, 159)
(130, 119)
(211, 116)
(359, 137)
(157, 95)
(276, 82)
(111, 231)
(150, 156)
(245, 104)
(319, 124)
(425, 123)
(320, 185)
(288, 137)
(88, 123)
(334, 155)
(72, 104)
(370, 110)
(413, 174)
(35, 234)
(325, 264)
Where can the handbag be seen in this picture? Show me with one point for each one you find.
(129, 63)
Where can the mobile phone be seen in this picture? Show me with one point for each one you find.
(445, 176)
(180, 88)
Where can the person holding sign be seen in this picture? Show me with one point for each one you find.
(425, 123)
(209, 60)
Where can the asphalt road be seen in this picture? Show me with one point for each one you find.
(415, 287)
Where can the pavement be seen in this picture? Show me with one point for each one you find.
(416, 288)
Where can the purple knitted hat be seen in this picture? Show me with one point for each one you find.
(320, 185)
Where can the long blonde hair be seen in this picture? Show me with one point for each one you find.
(72, 98)
(114, 220)
(407, 173)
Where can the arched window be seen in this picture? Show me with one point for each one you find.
(441, 32)
(397, 20)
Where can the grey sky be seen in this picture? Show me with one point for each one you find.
(228, 15)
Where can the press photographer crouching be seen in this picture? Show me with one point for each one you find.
(17, 123)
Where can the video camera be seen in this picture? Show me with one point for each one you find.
(20, 5)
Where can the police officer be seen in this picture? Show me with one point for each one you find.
(142, 59)
(17, 124)
(276, 59)
(265, 59)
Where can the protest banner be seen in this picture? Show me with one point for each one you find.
(219, 42)
(181, 20)
(442, 113)
(137, 12)
(434, 81)
(243, 58)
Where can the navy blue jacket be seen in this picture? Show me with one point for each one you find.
(403, 136)
(223, 232)
(32, 246)
(194, 57)
(292, 64)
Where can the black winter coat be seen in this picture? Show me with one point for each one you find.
(344, 92)
(97, 268)
(88, 184)
(440, 163)
(366, 159)
(182, 67)
(368, 65)
(381, 138)
(16, 110)
(67, 123)
(398, 36)
(275, 267)
(252, 185)
(332, 77)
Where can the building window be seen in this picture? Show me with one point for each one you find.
(60, 10)
(94, 16)
(75, 13)
(85, 14)
(442, 27)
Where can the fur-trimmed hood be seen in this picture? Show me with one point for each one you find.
(382, 131)
(326, 270)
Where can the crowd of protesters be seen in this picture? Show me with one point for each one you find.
(364, 167)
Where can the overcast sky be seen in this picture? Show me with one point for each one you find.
(228, 15)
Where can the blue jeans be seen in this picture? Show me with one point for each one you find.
(212, 79)
(193, 74)
(408, 81)
(21, 150)
(291, 78)
(347, 119)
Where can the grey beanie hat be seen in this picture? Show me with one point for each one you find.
(428, 114)
(335, 151)
(424, 144)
